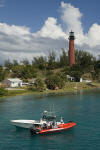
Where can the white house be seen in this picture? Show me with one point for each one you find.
(13, 82)
(70, 78)
(81, 80)
(88, 81)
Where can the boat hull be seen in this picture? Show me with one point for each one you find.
(60, 128)
(23, 123)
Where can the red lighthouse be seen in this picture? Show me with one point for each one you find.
(71, 49)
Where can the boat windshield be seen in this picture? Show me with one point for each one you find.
(37, 125)
(48, 116)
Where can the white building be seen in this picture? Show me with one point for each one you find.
(70, 78)
(88, 81)
(81, 80)
(13, 82)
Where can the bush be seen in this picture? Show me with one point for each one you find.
(3, 92)
(56, 80)
(40, 85)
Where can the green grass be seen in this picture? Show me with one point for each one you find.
(69, 87)
(16, 92)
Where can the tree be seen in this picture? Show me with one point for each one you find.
(15, 63)
(76, 68)
(84, 59)
(25, 62)
(3, 92)
(40, 62)
(40, 85)
(74, 71)
(63, 58)
(52, 60)
(8, 64)
(17, 71)
(97, 66)
(24, 72)
(55, 80)
(28, 72)
(2, 73)
(96, 75)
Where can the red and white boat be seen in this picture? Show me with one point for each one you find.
(48, 124)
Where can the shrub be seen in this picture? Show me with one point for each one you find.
(40, 85)
(3, 92)
(56, 80)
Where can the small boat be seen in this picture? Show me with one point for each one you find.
(48, 124)
(23, 123)
(29, 123)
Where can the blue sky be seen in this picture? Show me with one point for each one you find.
(31, 28)
(33, 13)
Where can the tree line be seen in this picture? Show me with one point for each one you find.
(51, 71)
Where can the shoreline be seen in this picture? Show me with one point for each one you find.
(70, 88)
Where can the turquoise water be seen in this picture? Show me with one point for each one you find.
(83, 108)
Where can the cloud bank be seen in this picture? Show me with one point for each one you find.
(17, 42)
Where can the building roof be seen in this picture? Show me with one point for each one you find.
(14, 80)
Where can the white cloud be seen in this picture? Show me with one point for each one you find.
(17, 42)
(71, 16)
(13, 30)
(51, 30)
(93, 36)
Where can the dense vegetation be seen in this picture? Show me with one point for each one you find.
(3, 92)
(51, 72)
